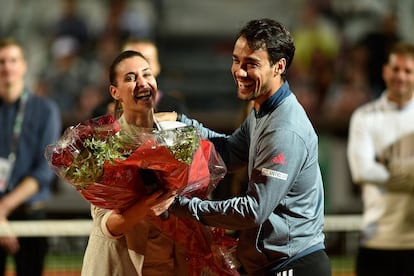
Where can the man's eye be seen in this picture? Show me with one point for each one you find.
(252, 65)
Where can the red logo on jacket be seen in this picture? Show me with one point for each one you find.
(279, 159)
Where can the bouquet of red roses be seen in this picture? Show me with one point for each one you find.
(112, 169)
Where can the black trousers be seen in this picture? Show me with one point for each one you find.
(30, 259)
(376, 262)
(314, 264)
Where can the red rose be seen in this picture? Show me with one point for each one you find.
(62, 158)
(108, 129)
(103, 126)
(83, 132)
(105, 120)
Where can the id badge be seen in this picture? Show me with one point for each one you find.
(6, 167)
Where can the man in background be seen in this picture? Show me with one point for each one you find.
(381, 160)
(28, 124)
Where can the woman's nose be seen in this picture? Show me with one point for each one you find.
(141, 81)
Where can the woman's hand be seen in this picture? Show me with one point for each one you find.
(162, 202)
(155, 204)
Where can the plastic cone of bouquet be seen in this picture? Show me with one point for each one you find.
(112, 169)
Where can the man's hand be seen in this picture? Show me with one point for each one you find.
(10, 244)
(401, 176)
(402, 183)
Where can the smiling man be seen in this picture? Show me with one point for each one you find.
(280, 217)
(381, 160)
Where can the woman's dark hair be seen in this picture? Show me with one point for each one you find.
(117, 60)
(272, 36)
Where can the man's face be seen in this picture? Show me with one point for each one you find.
(12, 66)
(252, 71)
(136, 87)
(398, 75)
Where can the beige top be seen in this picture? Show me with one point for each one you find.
(124, 255)
(105, 256)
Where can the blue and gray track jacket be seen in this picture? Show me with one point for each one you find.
(281, 216)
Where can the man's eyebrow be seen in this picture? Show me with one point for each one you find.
(249, 59)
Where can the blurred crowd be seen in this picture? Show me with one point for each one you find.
(335, 70)
(337, 66)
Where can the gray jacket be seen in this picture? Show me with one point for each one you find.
(281, 215)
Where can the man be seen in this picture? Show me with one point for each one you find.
(280, 217)
(381, 160)
(28, 124)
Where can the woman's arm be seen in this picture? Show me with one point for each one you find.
(120, 222)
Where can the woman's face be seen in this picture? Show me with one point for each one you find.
(136, 87)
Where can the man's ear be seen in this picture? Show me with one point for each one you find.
(280, 67)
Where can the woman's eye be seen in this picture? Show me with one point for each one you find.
(130, 78)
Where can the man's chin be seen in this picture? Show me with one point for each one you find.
(243, 96)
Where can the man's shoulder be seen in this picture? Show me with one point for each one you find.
(41, 102)
(370, 107)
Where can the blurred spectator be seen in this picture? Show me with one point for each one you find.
(91, 96)
(71, 24)
(378, 44)
(65, 78)
(317, 43)
(350, 89)
(122, 21)
(316, 38)
(29, 123)
(381, 159)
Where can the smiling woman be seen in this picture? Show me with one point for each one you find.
(133, 87)
(129, 192)
(119, 238)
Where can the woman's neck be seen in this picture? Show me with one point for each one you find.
(140, 119)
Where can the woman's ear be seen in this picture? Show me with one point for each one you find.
(114, 92)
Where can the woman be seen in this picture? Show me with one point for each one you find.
(119, 240)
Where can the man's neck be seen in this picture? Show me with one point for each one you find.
(400, 102)
(10, 93)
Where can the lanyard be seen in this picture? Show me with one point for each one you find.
(17, 127)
